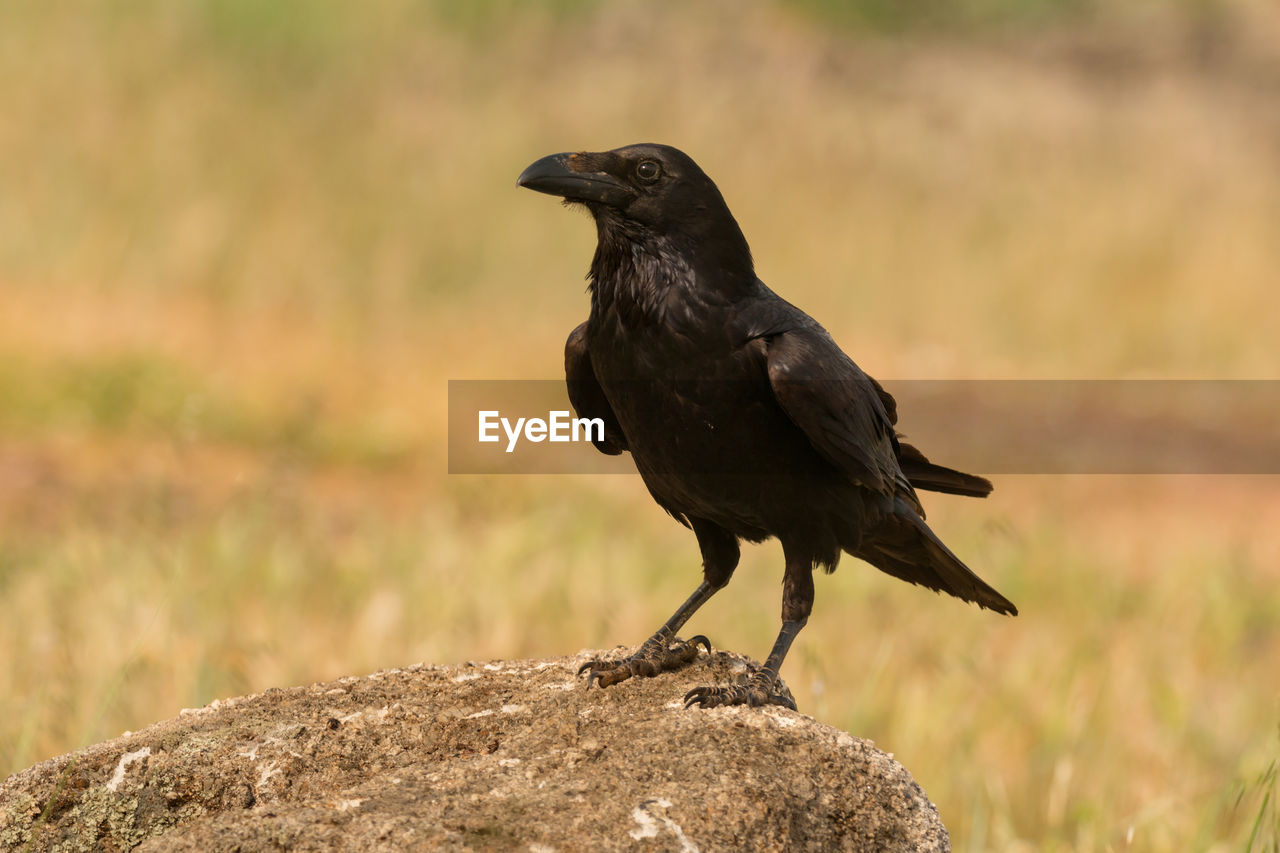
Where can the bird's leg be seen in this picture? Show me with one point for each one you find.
(664, 651)
(762, 687)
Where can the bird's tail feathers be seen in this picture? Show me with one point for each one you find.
(904, 546)
(923, 474)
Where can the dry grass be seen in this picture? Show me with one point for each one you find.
(241, 252)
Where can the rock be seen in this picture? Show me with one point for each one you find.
(510, 755)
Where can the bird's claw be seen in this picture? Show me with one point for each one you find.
(699, 640)
(652, 658)
(756, 691)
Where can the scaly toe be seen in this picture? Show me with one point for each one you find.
(649, 660)
(754, 692)
(681, 653)
(704, 697)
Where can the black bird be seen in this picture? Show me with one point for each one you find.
(743, 416)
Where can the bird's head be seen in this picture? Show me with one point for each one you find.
(639, 192)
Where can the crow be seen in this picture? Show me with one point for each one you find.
(744, 418)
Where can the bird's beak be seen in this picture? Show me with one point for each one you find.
(571, 177)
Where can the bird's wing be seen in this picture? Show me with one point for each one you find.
(585, 394)
(839, 408)
(920, 472)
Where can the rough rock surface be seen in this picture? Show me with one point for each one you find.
(513, 755)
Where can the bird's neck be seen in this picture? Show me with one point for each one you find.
(644, 281)
(638, 281)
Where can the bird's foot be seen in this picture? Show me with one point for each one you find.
(655, 656)
(759, 688)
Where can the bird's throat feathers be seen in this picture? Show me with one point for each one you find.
(643, 278)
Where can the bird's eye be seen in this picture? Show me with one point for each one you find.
(648, 171)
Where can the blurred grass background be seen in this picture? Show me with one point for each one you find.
(244, 245)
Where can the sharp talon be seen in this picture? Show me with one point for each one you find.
(779, 699)
(586, 666)
(700, 640)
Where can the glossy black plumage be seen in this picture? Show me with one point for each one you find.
(743, 416)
